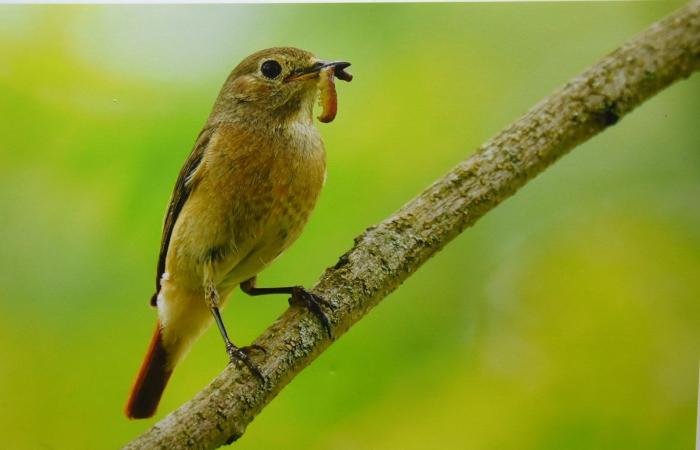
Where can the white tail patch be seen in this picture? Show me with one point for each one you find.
(184, 315)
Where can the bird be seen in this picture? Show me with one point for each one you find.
(242, 197)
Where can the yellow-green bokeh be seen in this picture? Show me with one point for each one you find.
(567, 318)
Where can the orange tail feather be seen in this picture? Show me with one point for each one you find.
(151, 380)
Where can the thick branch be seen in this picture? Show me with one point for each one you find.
(385, 255)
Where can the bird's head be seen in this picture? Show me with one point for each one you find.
(274, 84)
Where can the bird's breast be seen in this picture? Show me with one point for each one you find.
(255, 198)
(297, 175)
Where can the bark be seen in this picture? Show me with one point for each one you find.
(386, 254)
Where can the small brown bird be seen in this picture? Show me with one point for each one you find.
(242, 197)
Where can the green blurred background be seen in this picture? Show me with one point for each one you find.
(566, 318)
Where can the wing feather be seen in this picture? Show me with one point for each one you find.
(184, 186)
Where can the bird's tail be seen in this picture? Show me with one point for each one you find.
(151, 380)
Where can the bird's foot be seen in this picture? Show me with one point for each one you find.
(241, 355)
(313, 302)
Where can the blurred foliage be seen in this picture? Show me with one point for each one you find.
(566, 318)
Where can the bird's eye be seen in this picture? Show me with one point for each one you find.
(271, 69)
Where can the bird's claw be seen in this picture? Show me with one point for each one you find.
(313, 302)
(253, 348)
(240, 355)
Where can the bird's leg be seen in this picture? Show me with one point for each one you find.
(300, 296)
(236, 355)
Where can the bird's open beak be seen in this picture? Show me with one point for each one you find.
(313, 70)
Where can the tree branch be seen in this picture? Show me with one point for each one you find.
(385, 255)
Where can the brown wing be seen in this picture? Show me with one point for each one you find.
(181, 192)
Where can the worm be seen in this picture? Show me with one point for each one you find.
(327, 95)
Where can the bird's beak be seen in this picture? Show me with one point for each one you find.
(313, 70)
